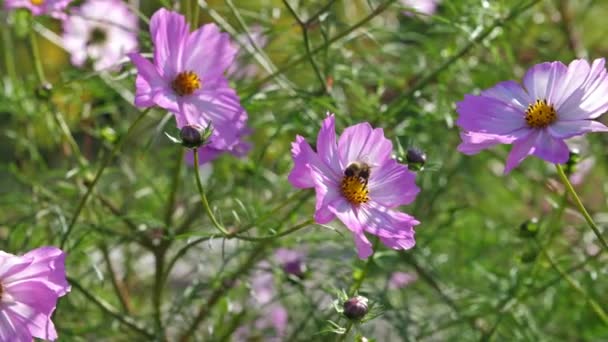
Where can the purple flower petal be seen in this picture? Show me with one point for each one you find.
(209, 52)
(489, 115)
(301, 152)
(510, 93)
(567, 129)
(395, 229)
(542, 80)
(551, 149)
(362, 143)
(345, 213)
(169, 31)
(589, 99)
(326, 145)
(393, 185)
(521, 149)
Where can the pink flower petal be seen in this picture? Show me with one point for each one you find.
(209, 52)
(169, 31)
(568, 129)
(345, 213)
(302, 153)
(363, 144)
(392, 185)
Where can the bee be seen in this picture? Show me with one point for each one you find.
(358, 169)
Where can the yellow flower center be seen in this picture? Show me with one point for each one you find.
(186, 83)
(354, 189)
(540, 114)
(37, 2)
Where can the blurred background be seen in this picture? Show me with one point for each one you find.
(476, 272)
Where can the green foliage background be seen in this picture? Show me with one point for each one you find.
(477, 278)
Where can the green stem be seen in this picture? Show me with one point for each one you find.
(580, 206)
(105, 307)
(204, 197)
(102, 167)
(594, 305)
(36, 57)
(159, 262)
(272, 237)
(174, 185)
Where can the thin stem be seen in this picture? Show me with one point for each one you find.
(120, 293)
(398, 106)
(221, 290)
(102, 167)
(272, 237)
(323, 47)
(159, 262)
(36, 57)
(204, 197)
(594, 305)
(107, 308)
(9, 51)
(304, 28)
(580, 206)
(174, 186)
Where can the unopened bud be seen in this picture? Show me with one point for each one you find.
(573, 160)
(356, 307)
(44, 91)
(191, 136)
(295, 268)
(529, 228)
(415, 159)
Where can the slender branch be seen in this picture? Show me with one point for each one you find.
(304, 28)
(174, 187)
(398, 106)
(102, 167)
(37, 57)
(107, 308)
(201, 192)
(594, 305)
(580, 206)
(323, 47)
(118, 288)
(220, 291)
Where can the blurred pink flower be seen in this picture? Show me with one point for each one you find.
(356, 180)
(29, 288)
(291, 261)
(556, 102)
(187, 79)
(399, 280)
(423, 6)
(53, 8)
(103, 31)
(271, 324)
(243, 69)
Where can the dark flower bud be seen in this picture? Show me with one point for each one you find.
(191, 136)
(356, 307)
(415, 159)
(573, 160)
(295, 268)
(44, 91)
(529, 228)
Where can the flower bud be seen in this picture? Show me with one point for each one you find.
(529, 228)
(356, 307)
(44, 91)
(415, 158)
(295, 268)
(573, 160)
(191, 136)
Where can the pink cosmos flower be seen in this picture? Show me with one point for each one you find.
(399, 280)
(243, 68)
(40, 7)
(102, 30)
(427, 7)
(556, 102)
(357, 181)
(29, 288)
(187, 78)
(272, 323)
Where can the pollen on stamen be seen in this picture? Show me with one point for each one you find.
(37, 2)
(354, 190)
(540, 114)
(186, 83)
